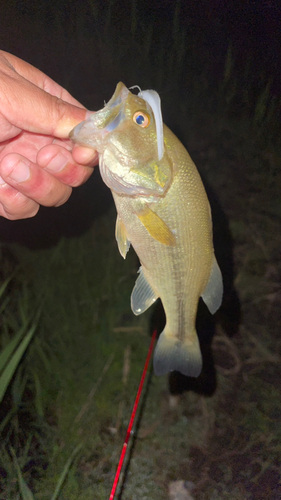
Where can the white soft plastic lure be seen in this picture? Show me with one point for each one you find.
(163, 211)
(152, 98)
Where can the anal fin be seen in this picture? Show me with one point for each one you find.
(142, 295)
(213, 292)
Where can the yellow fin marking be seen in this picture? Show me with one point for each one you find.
(156, 227)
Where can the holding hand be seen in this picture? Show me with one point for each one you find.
(38, 163)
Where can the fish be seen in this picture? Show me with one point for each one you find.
(164, 213)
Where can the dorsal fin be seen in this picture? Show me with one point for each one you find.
(153, 99)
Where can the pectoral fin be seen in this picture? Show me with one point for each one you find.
(142, 295)
(156, 227)
(213, 292)
(121, 237)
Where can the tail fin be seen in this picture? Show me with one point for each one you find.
(179, 355)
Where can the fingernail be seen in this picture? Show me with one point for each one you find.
(57, 163)
(90, 155)
(20, 172)
(2, 181)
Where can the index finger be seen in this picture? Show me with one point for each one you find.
(38, 78)
(34, 102)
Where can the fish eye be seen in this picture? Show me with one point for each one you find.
(141, 118)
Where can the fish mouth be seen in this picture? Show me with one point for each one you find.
(93, 130)
(105, 118)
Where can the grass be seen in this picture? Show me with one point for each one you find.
(71, 373)
(76, 340)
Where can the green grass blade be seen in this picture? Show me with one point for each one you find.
(5, 284)
(65, 472)
(11, 367)
(9, 349)
(4, 304)
(38, 396)
(19, 386)
(7, 418)
(26, 493)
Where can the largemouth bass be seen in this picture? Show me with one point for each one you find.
(163, 211)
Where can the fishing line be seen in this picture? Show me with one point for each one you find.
(133, 414)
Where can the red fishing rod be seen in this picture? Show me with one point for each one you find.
(133, 414)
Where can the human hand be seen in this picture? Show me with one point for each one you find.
(38, 163)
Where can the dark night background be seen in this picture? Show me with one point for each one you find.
(85, 50)
(217, 67)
